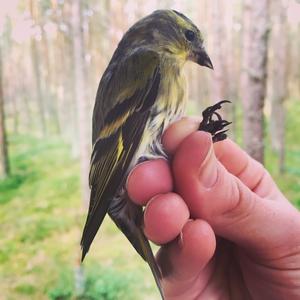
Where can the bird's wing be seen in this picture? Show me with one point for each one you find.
(120, 132)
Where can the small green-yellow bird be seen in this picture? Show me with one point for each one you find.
(141, 92)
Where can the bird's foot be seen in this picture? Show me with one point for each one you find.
(214, 126)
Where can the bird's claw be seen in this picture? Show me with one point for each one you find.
(214, 127)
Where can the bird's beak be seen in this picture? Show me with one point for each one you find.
(203, 59)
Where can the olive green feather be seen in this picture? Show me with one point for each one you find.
(116, 142)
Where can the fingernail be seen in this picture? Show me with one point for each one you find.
(181, 238)
(180, 242)
(209, 171)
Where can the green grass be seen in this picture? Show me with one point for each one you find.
(42, 216)
(94, 283)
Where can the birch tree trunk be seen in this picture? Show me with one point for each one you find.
(256, 28)
(4, 163)
(220, 87)
(279, 79)
(49, 92)
(37, 73)
(81, 101)
(221, 19)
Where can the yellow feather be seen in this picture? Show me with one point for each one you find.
(115, 125)
(120, 146)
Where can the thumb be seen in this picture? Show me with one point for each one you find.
(230, 207)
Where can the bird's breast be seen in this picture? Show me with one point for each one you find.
(169, 106)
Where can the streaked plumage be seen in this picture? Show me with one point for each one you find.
(141, 92)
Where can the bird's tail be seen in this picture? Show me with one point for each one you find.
(128, 217)
(149, 257)
(97, 212)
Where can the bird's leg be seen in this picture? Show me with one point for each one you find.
(214, 126)
(142, 159)
(148, 157)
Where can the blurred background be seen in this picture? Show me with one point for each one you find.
(52, 56)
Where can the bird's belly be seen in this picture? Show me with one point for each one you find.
(150, 146)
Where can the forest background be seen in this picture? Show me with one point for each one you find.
(52, 56)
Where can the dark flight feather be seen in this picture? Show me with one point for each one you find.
(112, 154)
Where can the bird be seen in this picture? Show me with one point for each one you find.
(141, 92)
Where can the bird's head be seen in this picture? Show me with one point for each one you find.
(169, 32)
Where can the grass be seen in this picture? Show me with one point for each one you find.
(42, 216)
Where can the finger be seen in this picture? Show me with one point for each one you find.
(149, 179)
(164, 218)
(229, 206)
(248, 170)
(177, 132)
(186, 259)
(235, 160)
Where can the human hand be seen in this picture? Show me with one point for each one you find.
(225, 229)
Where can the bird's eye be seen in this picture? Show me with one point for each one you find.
(190, 35)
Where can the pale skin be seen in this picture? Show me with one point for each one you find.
(225, 229)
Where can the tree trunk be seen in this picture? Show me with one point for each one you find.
(62, 59)
(220, 86)
(279, 79)
(81, 101)
(256, 18)
(15, 113)
(220, 20)
(37, 74)
(4, 162)
(50, 99)
(26, 107)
